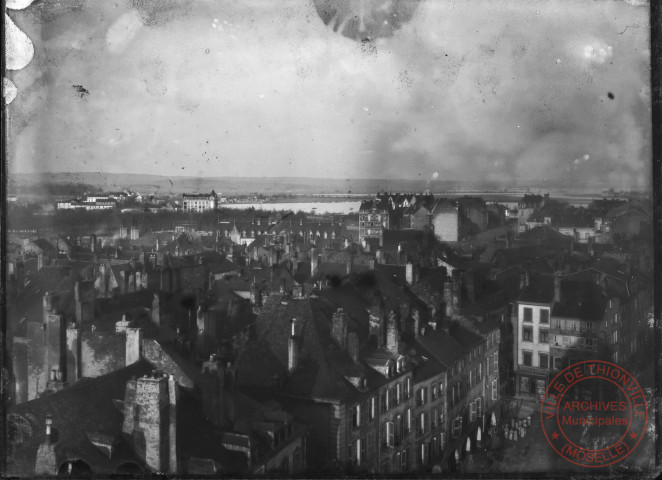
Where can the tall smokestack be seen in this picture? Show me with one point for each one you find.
(292, 348)
(557, 287)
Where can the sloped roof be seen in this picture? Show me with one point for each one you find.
(441, 346)
(322, 364)
(84, 407)
(539, 290)
(582, 300)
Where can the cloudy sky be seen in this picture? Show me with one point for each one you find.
(553, 90)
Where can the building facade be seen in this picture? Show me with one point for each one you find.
(200, 202)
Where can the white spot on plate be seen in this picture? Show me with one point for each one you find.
(19, 49)
(122, 31)
(9, 90)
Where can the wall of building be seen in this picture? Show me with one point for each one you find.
(533, 378)
(102, 353)
(446, 226)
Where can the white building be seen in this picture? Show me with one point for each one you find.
(200, 202)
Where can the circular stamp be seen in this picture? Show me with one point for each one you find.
(594, 413)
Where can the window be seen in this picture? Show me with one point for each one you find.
(434, 418)
(356, 416)
(614, 337)
(409, 419)
(385, 400)
(390, 434)
(526, 358)
(424, 449)
(421, 396)
(543, 360)
(398, 391)
(544, 316)
(408, 388)
(457, 427)
(373, 407)
(495, 392)
(397, 421)
(528, 314)
(558, 363)
(543, 336)
(360, 450)
(527, 334)
(472, 412)
(402, 460)
(479, 406)
(422, 423)
(434, 392)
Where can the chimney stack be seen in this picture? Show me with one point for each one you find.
(155, 431)
(471, 287)
(218, 388)
(557, 287)
(409, 273)
(313, 261)
(134, 338)
(339, 328)
(417, 322)
(377, 324)
(392, 334)
(46, 462)
(448, 297)
(353, 346)
(292, 348)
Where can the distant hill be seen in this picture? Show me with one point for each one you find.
(175, 185)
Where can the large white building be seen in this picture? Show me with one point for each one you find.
(200, 202)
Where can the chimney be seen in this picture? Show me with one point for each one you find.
(313, 261)
(557, 288)
(256, 295)
(392, 334)
(524, 280)
(155, 438)
(377, 324)
(134, 342)
(409, 273)
(84, 295)
(339, 328)
(448, 297)
(417, 322)
(471, 287)
(157, 305)
(56, 338)
(46, 462)
(353, 346)
(292, 348)
(217, 386)
(73, 354)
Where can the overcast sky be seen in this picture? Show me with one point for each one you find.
(555, 90)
